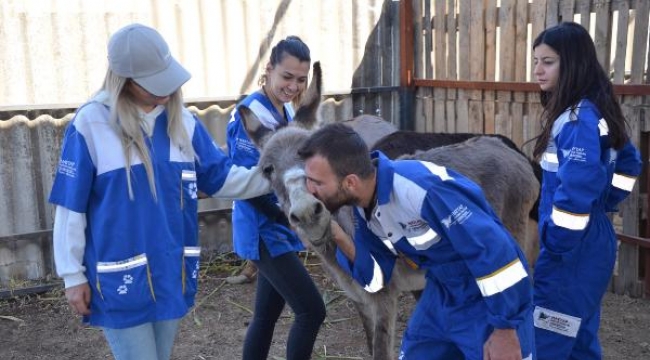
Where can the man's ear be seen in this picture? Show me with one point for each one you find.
(351, 183)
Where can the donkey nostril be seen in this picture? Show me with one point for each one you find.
(294, 219)
(318, 209)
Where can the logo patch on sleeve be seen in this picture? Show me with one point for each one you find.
(68, 168)
(458, 216)
(575, 154)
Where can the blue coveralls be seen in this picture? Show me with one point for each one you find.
(249, 224)
(141, 255)
(476, 274)
(583, 179)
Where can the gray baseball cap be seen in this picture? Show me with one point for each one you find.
(139, 52)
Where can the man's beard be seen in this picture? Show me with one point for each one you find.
(340, 199)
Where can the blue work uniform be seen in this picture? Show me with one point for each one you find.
(476, 277)
(141, 254)
(583, 179)
(249, 223)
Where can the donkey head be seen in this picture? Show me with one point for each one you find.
(280, 163)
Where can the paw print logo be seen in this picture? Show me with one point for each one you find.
(127, 279)
(446, 222)
(192, 190)
(195, 271)
(122, 289)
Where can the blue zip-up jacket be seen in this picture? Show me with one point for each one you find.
(442, 221)
(582, 175)
(141, 256)
(249, 223)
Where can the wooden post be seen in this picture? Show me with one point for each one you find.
(407, 90)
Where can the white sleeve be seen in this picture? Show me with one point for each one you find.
(243, 183)
(69, 239)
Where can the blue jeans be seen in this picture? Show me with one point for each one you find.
(149, 341)
(284, 279)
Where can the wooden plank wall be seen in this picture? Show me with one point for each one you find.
(490, 40)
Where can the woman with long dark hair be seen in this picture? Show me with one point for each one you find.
(589, 166)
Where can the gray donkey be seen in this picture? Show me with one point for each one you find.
(505, 176)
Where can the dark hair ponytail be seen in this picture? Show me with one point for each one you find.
(291, 45)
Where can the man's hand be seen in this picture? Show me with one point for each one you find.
(79, 298)
(343, 241)
(503, 344)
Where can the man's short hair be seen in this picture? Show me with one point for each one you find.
(343, 148)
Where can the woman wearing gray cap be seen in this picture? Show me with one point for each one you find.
(125, 229)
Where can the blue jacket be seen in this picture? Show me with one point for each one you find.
(141, 255)
(582, 175)
(249, 224)
(441, 221)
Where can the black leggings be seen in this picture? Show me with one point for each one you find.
(283, 279)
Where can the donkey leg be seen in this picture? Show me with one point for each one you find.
(385, 323)
(532, 238)
(524, 231)
(366, 313)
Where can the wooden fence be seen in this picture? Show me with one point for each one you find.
(469, 67)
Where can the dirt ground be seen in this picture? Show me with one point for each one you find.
(42, 327)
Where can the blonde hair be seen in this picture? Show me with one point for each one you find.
(125, 119)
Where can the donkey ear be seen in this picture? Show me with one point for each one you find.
(307, 113)
(253, 126)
